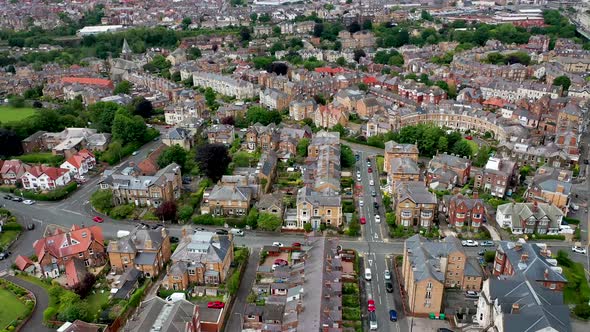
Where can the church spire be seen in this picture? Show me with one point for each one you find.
(126, 51)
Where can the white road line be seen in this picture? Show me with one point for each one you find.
(74, 212)
(379, 293)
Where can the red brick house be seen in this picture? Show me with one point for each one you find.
(463, 211)
(55, 250)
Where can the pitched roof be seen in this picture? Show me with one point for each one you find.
(23, 262)
(75, 271)
(416, 192)
(536, 264)
(67, 243)
(53, 173)
(156, 313)
(424, 256)
(89, 81)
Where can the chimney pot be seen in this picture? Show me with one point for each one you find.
(515, 308)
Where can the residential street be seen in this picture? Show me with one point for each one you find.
(234, 322)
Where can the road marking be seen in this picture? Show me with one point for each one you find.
(379, 292)
(37, 220)
(370, 262)
(73, 212)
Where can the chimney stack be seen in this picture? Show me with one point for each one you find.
(535, 206)
(524, 257)
(515, 308)
(475, 194)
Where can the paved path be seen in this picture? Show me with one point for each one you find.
(235, 320)
(36, 321)
(493, 233)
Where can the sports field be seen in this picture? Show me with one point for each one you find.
(9, 113)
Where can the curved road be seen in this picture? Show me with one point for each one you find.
(36, 321)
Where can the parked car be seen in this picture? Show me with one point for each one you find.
(387, 275)
(371, 305)
(221, 231)
(468, 137)
(135, 153)
(469, 243)
(376, 205)
(31, 226)
(443, 329)
(370, 170)
(28, 202)
(487, 243)
(7, 197)
(371, 182)
(174, 239)
(471, 293)
(389, 287)
(363, 220)
(579, 250)
(296, 244)
(377, 218)
(393, 315)
(277, 244)
(199, 229)
(17, 199)
(373, 193)
(281, 262)
(175, 297)
(215, 305)
(237, 232)
(481, 252)
(368, 274)
(361, 203)
(357, 157)
(97, 219)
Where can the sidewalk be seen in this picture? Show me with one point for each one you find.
(493, 233)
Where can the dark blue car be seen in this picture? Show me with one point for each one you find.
(393, 315)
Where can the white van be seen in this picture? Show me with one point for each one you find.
(175, 297)
(236, 232)
(368, 274)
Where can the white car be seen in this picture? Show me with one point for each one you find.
(28, 202)
(469, 243)
(471, 294)
(371, 182)
(277, 244)
(377, 218)
(135, 153)
(579, 250)
(387, 275)
(361, 203)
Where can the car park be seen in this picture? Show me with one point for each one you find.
(389, 287)
(277, 244)
(469, 243)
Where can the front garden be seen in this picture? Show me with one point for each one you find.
(16, 306)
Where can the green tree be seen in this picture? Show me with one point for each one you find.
(426, 15)
(210, 97)
(102, 200)
(233, 282)
(482, 156)
(128, 129)
(462, 148)
(307, 227)
(489, 256)
(186, 22)
(123, 87)
(213, 160)
(185, 213)
(562, 81)
(173, 154)
(265, 117)
(269, 222)
(582, 310)
(363, 87)
(347, 158)
(252, 218)
(302, 147)
(340, 129)
(442, 145)
(341, 61)
(194, 53)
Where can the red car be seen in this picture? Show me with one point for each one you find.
(97, 219)
(296, 244)
(371, 305)
(281, 262)
(370, 170)
(215, 305)
(363, 220)
(469, 138)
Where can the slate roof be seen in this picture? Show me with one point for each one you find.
(136, 240)
(403, 165)
(536, 264)
(522, 211)
(156, 312)
(416, 192)
(425, 256)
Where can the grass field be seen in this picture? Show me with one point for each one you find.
(95, 301)
(10, 114)
(10, 309)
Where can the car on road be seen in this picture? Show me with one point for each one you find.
(215, 305)
(370, 170)
(295, 244)
(371, 182)
(361, 203)
(174, 239)
(579, 250)
(7, 197)
(97, 219)
(221, 232)
(357, 157)
(469, 137)
(135, 153)
(31, 226)
(472, 294)
(199, 229)
(469, 243)
(376, 205)
(377, 218)
(17, 199)
(481, 252)
(368, 274)
(487, 243)
(393, 315)
(373, 193)
(363, 220)
(28, 202)
(277, 244)
(387, 275)
(371, 305)
(389, 287)
(4, 255)
(444, 329)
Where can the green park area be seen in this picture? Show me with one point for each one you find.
(10, 114)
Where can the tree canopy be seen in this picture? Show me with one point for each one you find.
(213, 160)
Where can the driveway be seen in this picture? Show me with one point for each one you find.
(36, 321)
(237, 313)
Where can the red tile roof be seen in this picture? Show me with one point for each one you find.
(74, 271)
(89, 81)
(498, 102)
(75, 160)
(53, 173)
(369, 80)
(330, 70)
(53, 244)
(23, 262)
(12, 165)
